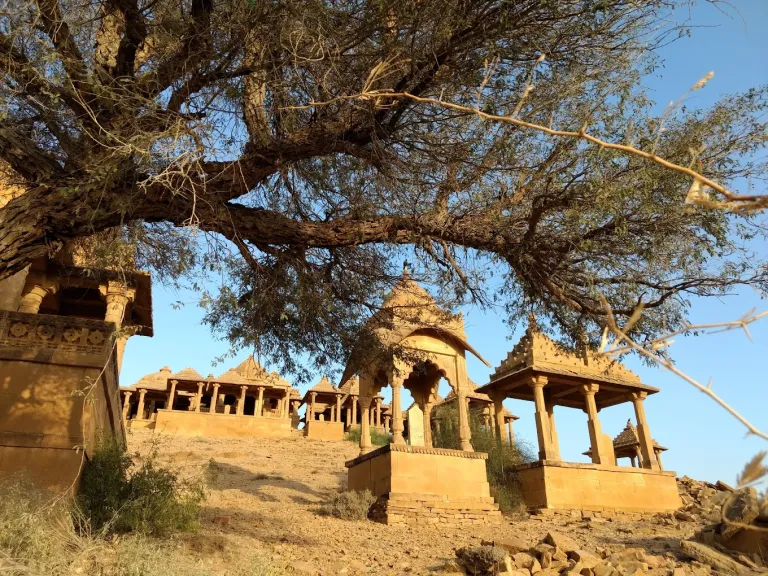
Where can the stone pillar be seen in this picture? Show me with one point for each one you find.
(599, 454)
(365, 428)
(126, 405)
(643, 431)
(172, 394)
(378, 412)
(465, 435)
(260, 402)
(117, 296)
(349, 417)
(31, 298)
(214, 398)
(338, 408)
(354, 410)
(397, 412)
(427, 424)
(632, 459)
(386, 424)
(658, 459)
(498, 409)
(140, 409)
(199, 396)
(510, 433)
(313, 396)
(241, 402)
(555, 443)
(537, 383)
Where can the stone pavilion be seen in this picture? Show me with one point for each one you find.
(627, 445)
(243, 401)
(419, 344)
(351, 412)
(322, 418)
(539, 370)
(63, 328)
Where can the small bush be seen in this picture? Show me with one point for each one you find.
(502, 457)
(118, 496)
(350, 505)
(377, 438)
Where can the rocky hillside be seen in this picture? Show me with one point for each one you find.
(265, 497)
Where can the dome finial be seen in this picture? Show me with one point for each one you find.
(405, 269)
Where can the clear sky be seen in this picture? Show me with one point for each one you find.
(704, 442)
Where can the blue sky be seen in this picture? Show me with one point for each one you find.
(704, 442)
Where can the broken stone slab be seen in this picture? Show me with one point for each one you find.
(586, 559)
(720, 485)
(561, 542)
(512, 544)
(743, 508)
(527, 561)
(711, 557)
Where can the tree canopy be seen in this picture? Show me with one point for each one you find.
(232, 135)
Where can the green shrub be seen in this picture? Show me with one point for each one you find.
(349, 505)
(502, 457)
(377, 438)
(117, 495)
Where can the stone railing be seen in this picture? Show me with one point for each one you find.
(30, 333)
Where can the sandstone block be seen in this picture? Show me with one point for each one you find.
(711, 557)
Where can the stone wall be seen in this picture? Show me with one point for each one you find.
(431, 509)
(58, 393)
(592, 487)
(320, 430)
(221, 425)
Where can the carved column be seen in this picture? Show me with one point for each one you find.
(397, 412)
(117, 296)
(510, 433)
(498, 409)
(126, 405)
(639, 456)
(365, 427)
(658, 459)
(140, 409)
(537, 383)
(214, 398)
(199, 397)
(313, 396)
(172, 394)
(354, 410)
(349, 417)
(386, 424)
(338, 408)
(32, 298)
(241, 402)
(599, 455)
(465, 435)
(427, 424)
(378, 412)
(643, 431)
(260, 402)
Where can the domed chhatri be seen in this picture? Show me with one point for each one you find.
(243, 401)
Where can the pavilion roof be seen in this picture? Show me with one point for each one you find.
(153, 381)
(350, 386)
(250, 373)
(410, 309)
(537, 354)
(187, 374)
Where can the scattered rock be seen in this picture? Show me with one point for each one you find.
(743, 507)
(561, 542)
(526, 560)
(481, 560)
(586, 559)
(511, 544)
(711, 557)
(685, 516)
(720, 485)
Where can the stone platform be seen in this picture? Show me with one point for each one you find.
(221, 425)
(569, 486)
(419, 485)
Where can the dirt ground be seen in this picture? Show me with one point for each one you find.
(265, 496)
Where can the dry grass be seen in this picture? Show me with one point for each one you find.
(350, 505)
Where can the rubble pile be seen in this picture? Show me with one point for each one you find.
(701, 500)
(560, 555)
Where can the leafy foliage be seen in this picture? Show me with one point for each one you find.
(118, 496)
(224, 141)
(377, 438)
(502, 457)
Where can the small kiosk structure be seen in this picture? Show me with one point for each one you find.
(323, 414)
(418, 344)
(540, 371)
(627, 445)
(482, 405)
(350, 406)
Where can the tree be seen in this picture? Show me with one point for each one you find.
(244, 121)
